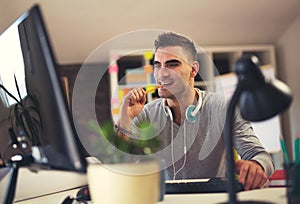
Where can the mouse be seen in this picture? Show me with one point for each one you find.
(83, 194)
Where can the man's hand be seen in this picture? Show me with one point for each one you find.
(251, 174)
(132, 104)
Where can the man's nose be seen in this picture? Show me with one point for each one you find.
(164, 71)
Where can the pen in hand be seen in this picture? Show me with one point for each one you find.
(153, 89)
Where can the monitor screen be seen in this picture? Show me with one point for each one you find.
(32, 95)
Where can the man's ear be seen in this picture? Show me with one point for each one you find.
(195, 69)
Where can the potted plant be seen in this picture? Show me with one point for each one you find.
(132, 179)
(24, 117)
(113, 149)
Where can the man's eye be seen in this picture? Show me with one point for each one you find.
(157, 66)
(173, 64)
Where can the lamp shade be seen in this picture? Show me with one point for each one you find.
(260, 99)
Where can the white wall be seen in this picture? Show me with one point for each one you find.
(288, 60)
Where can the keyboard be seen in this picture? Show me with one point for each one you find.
(213, 185)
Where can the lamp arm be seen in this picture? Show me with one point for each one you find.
(228, 134)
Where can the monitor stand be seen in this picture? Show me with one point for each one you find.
(10, 192)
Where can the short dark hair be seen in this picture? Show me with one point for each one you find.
(173, 39)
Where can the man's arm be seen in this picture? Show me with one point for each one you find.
(132, 104)
(251, 174)
(256, 164)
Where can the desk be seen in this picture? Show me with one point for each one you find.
(35, 185)
(275, 195)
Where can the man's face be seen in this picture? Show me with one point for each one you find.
(172, 70)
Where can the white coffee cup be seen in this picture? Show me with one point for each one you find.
(132, 183)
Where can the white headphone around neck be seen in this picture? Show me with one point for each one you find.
(192, 111)
(191, 115)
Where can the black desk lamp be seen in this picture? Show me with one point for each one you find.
(258, 99)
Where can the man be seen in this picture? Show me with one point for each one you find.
(190, 122)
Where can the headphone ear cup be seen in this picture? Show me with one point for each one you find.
(188, 113)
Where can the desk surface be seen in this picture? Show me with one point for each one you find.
(35, 185)
(274, 195)
(31, 184)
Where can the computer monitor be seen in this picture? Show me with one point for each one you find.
(27, 62)
(34, 103)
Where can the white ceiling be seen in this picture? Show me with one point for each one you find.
(78, 27)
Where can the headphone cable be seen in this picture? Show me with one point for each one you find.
(184, 150)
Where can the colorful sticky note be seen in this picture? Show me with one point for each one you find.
(115, 111)
(113, 68)
(148, 69)
(148, 55)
